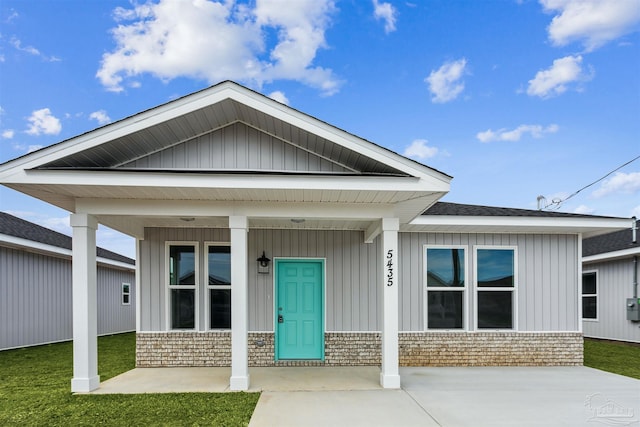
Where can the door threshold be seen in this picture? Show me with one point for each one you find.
(300, 362)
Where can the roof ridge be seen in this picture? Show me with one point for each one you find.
(14, 226)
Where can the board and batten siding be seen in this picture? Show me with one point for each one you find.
(36, 299)
(236, 147)
(614, 286)
(350, 292)
(547, 276)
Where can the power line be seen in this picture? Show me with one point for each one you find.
(558, 202)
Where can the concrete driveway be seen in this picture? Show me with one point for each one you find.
(491, 396)
(449, 397)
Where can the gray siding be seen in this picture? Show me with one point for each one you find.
(614, 279)
(547, 276)
(351, 294)
(236, 146)
(36, 299)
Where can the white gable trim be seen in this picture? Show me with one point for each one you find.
(43, 248)
(479, 224)
(206, 98)
(609, 256)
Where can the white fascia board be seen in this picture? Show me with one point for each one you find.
(570, 224)
(338, 136)
(206, 98)
(200, 208)
(43, 248)
(223, 181)
(119, 129)
(610, 256)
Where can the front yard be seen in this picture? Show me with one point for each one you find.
(35, 389)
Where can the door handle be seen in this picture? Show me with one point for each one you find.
(280, 318)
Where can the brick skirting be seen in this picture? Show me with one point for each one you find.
(155, 349)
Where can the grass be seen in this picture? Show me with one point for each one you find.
(617, 357)
(35, 390)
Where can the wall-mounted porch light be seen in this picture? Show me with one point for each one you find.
(263, 264)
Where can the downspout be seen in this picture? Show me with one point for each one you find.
(634, 228)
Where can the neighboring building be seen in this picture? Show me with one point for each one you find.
(609, 281)
(35, 286)
(266, 237)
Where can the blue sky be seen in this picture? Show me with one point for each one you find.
(514, 99)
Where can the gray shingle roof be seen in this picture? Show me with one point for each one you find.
(17, 227)
(457, 209)
(610, 242)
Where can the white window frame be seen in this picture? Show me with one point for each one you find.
(123, 293)
(208, 287)
(196, 286)
(464, 289)
(514, 289)
(582, 295)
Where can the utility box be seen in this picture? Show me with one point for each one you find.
(633, 309)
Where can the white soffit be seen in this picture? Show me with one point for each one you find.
(227, 90)
(588, 226)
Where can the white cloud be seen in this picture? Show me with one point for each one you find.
(43, 122)
(636, 212)
(32, 148)
(620, 182)
(27, 148)
(536, 131)
(584, 210)
(213, 41)
(279, 96)
(8, 133)
(100, 116)
(593, 22)
(420, 150)
(387, 13)
(17, 44)
(554, 80)
(445, 83)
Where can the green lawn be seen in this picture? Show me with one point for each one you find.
(619, 358)
(35, 390)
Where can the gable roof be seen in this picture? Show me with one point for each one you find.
(457, 209)
(617, 244)
(30, 232)
(104, 163)
(464, 218)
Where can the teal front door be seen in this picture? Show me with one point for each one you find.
(299, 309)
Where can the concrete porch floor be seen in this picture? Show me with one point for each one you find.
(445, 397)
(216, 380)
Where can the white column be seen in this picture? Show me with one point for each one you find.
(390, 374)
(239, 303)
(85, 317)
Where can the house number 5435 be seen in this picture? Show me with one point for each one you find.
(390, 267)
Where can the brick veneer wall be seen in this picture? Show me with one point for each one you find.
(490, 348)
(363, 348)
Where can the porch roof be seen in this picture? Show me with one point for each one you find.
(447, 217)
(106, 164)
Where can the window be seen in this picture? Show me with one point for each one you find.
(495, 285)
(445, 287)
(126, 294)
(590, 295)
(219, 285)
(182, 272)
